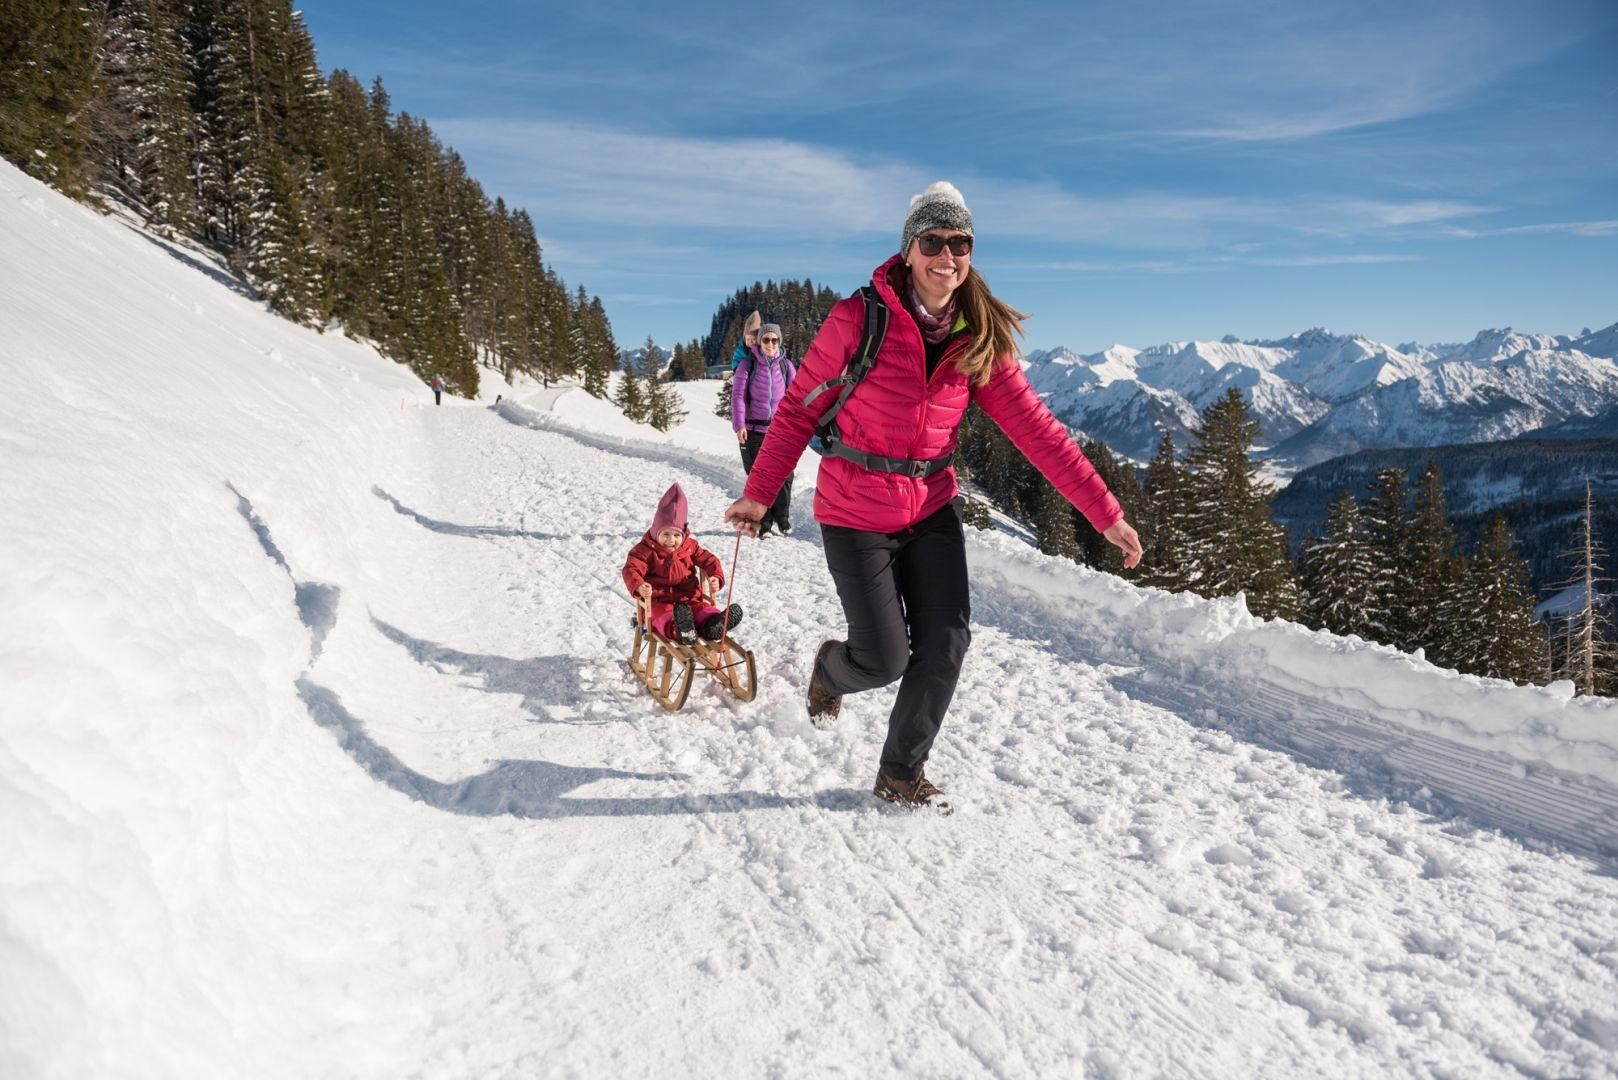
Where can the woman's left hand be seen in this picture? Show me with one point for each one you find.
(1121, 535)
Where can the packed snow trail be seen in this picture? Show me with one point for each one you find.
(1121, 889)
(319, 758)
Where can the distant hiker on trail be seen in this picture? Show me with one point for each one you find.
(662, 569)
(886, 497)
(438, 389)
(756, 391)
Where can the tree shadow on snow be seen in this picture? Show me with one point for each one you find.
(500, 531)
(537, 789)
(229, 281)
(316, 603)
(543, 682)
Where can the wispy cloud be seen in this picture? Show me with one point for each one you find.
(1566, 228)
(1194, 264)
(664, 184)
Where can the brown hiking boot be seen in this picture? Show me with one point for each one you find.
(918, 792)
(823, 704)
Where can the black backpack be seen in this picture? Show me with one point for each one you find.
(828, 439)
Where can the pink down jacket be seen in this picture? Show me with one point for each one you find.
(897, 412)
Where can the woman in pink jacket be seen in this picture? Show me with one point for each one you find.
(886, 496)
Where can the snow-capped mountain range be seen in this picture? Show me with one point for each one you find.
(1317, 395)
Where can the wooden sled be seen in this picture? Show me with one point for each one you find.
(668, 668)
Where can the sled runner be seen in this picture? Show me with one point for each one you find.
(668, 668)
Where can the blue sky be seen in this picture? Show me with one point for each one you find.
(1409, 171)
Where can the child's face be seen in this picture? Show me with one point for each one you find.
(670, 538)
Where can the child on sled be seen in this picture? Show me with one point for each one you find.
(662, 569)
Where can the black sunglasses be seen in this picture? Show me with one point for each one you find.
(932, 244)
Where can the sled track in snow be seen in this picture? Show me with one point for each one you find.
(726, 477)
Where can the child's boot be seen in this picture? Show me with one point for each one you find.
(685, 624)
(714, 627)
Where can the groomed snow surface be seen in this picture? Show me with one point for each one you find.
(319, 757)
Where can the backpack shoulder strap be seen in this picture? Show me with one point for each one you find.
(859, 365)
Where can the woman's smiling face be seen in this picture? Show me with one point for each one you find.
(937, 276)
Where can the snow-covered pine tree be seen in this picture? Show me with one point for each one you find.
(585, 344)
(1233, 541)
(692, 364)
(1436, 593)
(1388, 619)
(630, 395)
(1498, 635)
(48, 80)
(278, 250)
(143, 124)
(559, 358)
(603, 347)
(1589, 658)
(1166, 563)
(1121, 479)
(1337, 571)
(721, 403)
(664, 406)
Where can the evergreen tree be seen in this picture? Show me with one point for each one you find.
(721, 404)
(631, 395)
(1119, 475)
(1167, 560)
(1388, 527)
(974, 512)
(799, 308)
(1337, 573)
(279, 249)
(603, 349)
(1054, 523)
(143, 124)
(1435, 594)
(664, 408)
(1498, 636)
(688, 360)
(48, 84)
(1588, 655)
(1233, 542)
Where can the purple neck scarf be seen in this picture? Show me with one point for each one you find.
(934, 328)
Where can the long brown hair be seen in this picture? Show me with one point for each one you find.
(992, 322)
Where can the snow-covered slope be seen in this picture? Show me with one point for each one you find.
(1318, 395)
(318, 757)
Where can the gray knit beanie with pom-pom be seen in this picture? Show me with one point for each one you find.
(940, 206)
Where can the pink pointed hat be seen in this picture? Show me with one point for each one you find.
(671, 512)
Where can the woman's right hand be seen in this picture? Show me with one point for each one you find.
(741, 436)
(1122, 536)
(745, 514)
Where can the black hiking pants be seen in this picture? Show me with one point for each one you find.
(782, 505)
(908, 609)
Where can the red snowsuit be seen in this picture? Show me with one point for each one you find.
(898, 412)
(672, 572)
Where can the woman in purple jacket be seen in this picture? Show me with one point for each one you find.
(760, 382)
